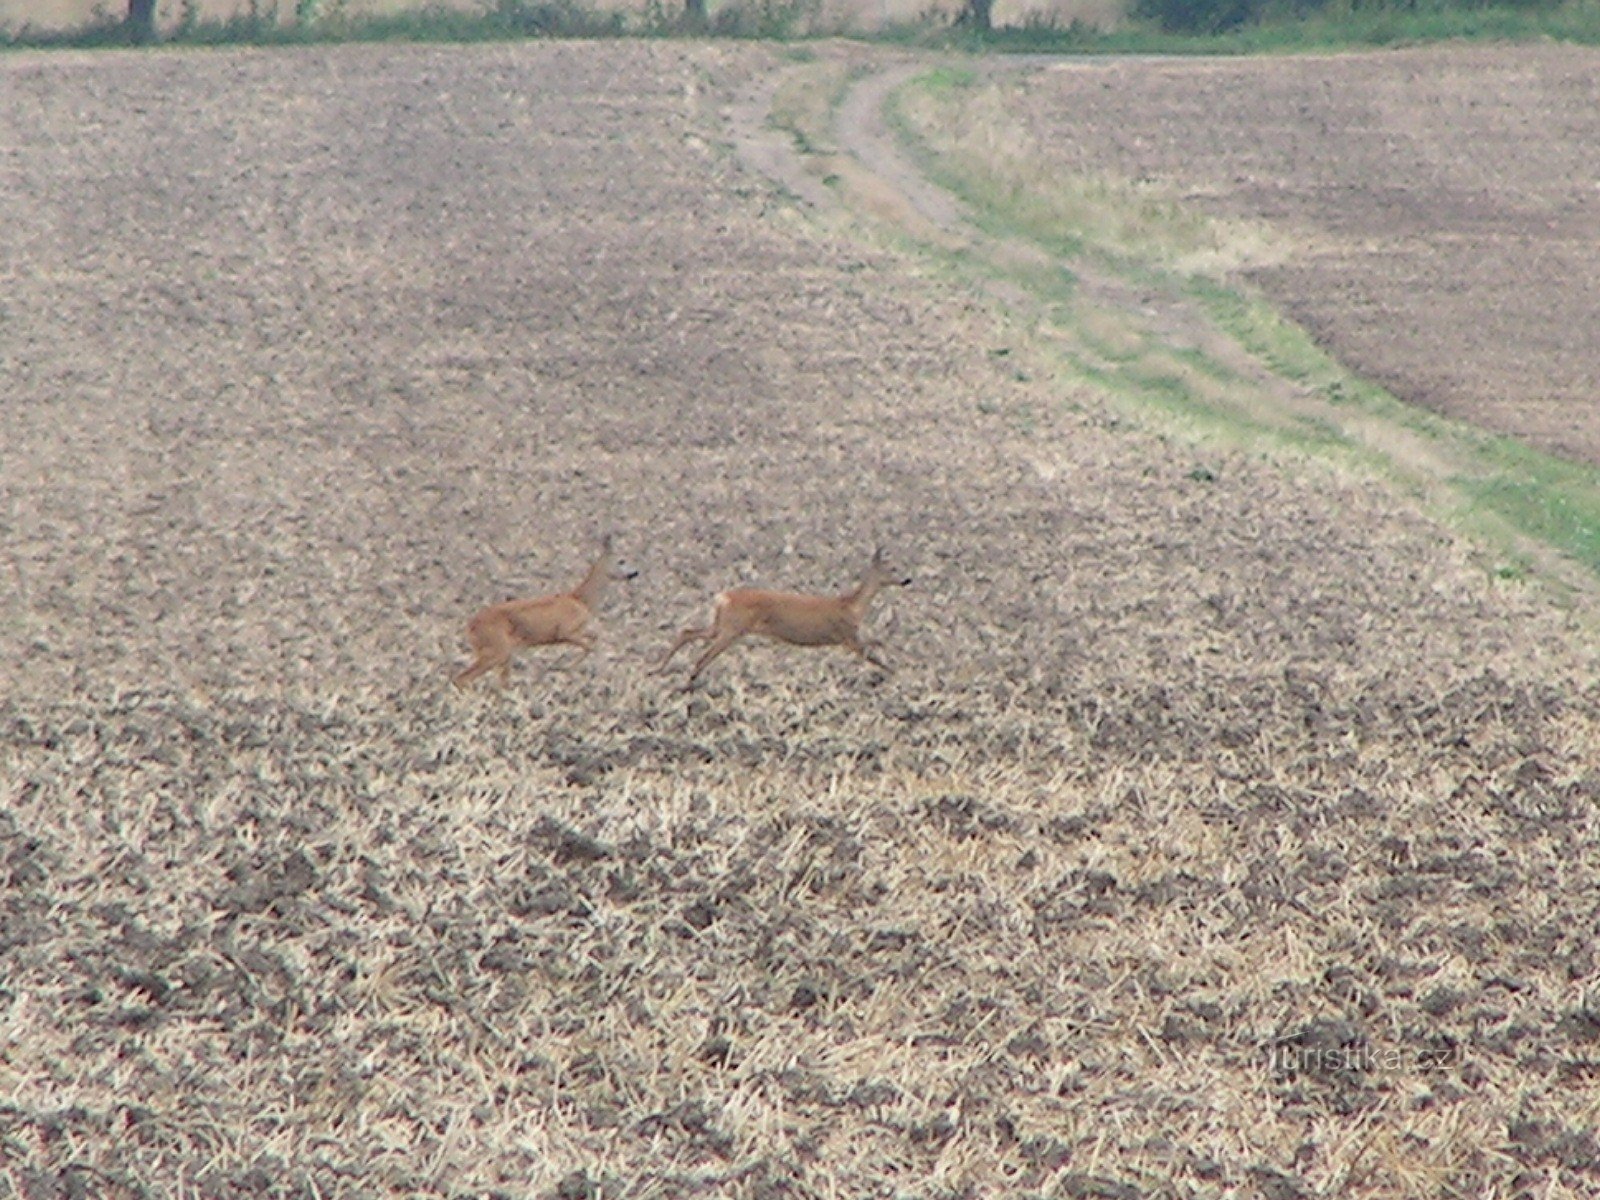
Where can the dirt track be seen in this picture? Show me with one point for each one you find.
(1217, 802)
(1445, 202)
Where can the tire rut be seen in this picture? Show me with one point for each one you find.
(890, 185)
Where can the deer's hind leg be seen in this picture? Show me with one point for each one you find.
(485, 663)
(870, 651)
(720, 641)
(700, 634)
(585, 641)
(493, 647)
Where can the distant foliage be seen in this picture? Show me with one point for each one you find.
(551, 18)
(766, 18)
(1222, 16)
(1159, 25)
(1198, 16)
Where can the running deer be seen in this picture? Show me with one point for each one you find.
(792, 617)
(500, 630)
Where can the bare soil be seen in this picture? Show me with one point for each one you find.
(1226, 829)
(1445, 199)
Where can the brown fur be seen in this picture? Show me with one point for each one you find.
(500, 630)
(791, 617)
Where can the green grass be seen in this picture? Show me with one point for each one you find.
(1554, 501)
(1551, 499)
(1092, 225)
(1498, 490)
(1190, 777)
(1344, 27)
(260, 26)
(1137, 234)
(259, 23)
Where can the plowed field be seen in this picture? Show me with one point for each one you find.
(1227, 828)
(1445, 201)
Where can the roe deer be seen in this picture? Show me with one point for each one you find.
(501, 630)
(792, 617)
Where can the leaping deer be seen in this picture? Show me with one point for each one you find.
(792, 617)
(500, 630)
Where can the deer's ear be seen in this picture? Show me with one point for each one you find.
(877, 557)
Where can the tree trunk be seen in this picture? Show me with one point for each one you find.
(978, 15)
(694, 15)
(141, 22)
